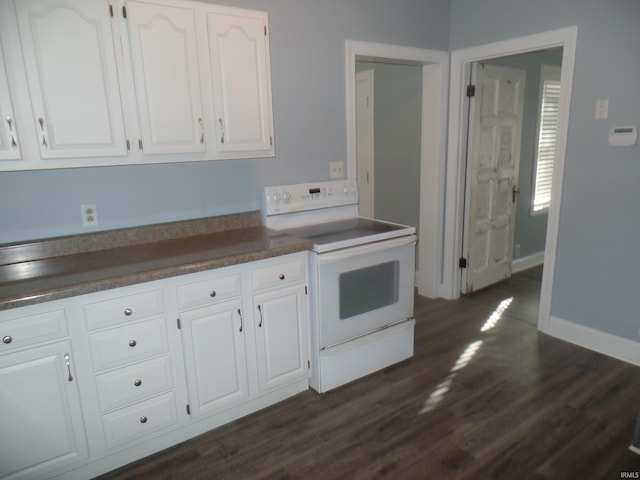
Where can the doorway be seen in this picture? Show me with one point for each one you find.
(460, 62)
(433, 112)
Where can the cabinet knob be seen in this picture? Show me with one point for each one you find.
(281, 276)
(212, 293)
(7, 339)
(128, 312)
(137, 382)
(132, 343)
(143, 419)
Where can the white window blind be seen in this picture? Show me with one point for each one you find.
(546, 142)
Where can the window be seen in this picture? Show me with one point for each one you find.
(546, 142)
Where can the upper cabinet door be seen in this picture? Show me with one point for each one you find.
(240, 76)
(166, 76)
(9, 145)
(71, 69)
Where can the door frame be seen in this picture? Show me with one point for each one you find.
(460, 59)
(367, 76)
(435, 71)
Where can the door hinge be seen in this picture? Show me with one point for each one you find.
(111, 10)
(124, 11)
(188, 409)
(306, 292)
(471, 90)
(265, 30)
(462, 263)
(271, 141)
(128, 145)
(140, 144)
(179, 324)
(309, 364)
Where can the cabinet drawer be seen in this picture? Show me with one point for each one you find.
(133, 383)
(139, 420)
(128, 343)
(207, 291)
(279, 274)
(32, 329)
(123, 309)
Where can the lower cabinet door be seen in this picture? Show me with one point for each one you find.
(42, 427)
(281, 336)
(213, 340)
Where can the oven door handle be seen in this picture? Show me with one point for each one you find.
(339, 255)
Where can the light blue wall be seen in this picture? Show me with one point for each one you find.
(307, 59)
(596, 281)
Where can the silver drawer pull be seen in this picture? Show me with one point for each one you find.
(132, 343)
(137, 382)
(212, 293)
(143, 419)
(128, 312)
(7, 339)
(281, 276)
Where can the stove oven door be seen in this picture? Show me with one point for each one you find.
(365, 288)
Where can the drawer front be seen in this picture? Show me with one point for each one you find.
(279, 274)
(123, 309)
(136, 382)
(129, 343)
(32, 329)
(208, 291)
(138, 420)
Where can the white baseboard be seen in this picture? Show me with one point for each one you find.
(601, 342)
(523, 263)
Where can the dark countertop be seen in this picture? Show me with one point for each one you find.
(50, 269)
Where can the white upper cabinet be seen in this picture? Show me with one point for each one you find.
(9, 145)
(99, 82)
(241, 82)
(70, 63)
(164, 54)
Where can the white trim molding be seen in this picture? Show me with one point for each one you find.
(524, 263)
(601, 342)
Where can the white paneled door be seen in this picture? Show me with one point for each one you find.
(492, 172)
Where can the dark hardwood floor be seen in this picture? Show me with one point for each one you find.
(474, 402)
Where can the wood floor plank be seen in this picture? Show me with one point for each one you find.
(504, 402)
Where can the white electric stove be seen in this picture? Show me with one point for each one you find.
(361, 279)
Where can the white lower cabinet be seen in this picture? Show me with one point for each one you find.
(237, 350)
(215, 357)
(42, 423)
(281, 338)
(94, 382)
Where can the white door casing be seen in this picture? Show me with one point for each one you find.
(435, 73)
(365, 169)
(493, 159)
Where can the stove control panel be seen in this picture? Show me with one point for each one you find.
(309, 196)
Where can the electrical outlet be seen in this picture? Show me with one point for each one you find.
(337, 169)
(517, 250)
(89, 214)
